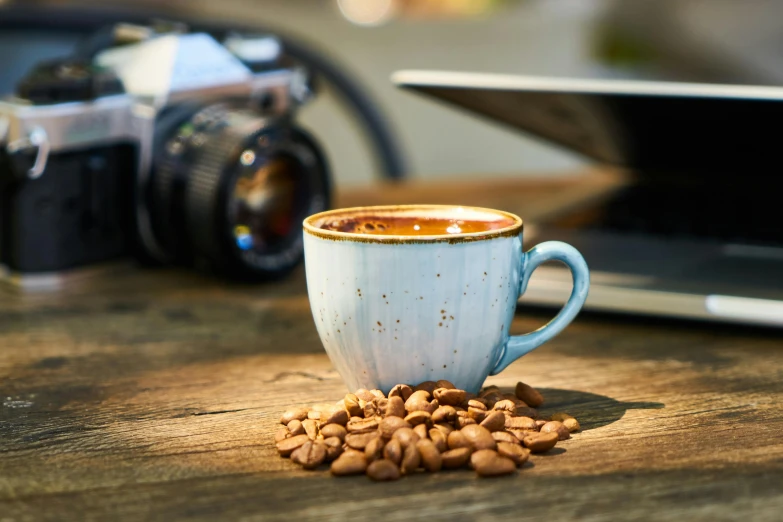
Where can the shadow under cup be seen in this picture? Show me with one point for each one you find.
(407, 294)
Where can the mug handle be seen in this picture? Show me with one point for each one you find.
(519, 345)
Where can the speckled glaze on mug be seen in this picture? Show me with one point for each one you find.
(408, 309)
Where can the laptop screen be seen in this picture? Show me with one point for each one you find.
(655, 129)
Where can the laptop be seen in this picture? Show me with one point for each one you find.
(697, 232)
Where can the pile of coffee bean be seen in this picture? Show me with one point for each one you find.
(428, 427)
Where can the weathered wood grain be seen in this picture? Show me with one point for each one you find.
(154, 395)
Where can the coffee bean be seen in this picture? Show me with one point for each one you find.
(389, 425)
(556, 427)
(419, 417)
(309, 455)
(351, 402)
(461, 422)
(479, 437)
(299, 414)
(445, 384)
(477, 404)
(540, 442)
(428, 386)
(421, 430)
(540, 423)
(411, 459)
(420, 395)
(488, 390)
(439, 439)
(282, 433)
(455, 458)
(444, 428)
(370, 409)
(295, 427)
(481, 455)
(406, 436)
(362, 426)
(334, 448)
(492, 398)
(374, 449)
(519, 434)
(505, 404)
(477, 414)
(393, 451)
(457, 439)
(333, 430)
(286, 446)
(337, 415)
(503, 436)
(311, 428)
(378, 394)
(381, 405)
(529, 395)
(401, 390)
(359, 441)
(444, 414)
(356, 419)
(352, 463)
(383, 470)
(513, 451)
(571, 424)
(449, 397)
(395, 407)
(350, 452)
(560, 416)
(526, 411)
(489, 464)
(314, 415)
(520, 423)
(430, 456)
(495, 421)
(364, 394)
(420, 401)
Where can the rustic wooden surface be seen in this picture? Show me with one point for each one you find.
(154, 395)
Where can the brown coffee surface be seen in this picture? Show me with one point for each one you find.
(412, 226)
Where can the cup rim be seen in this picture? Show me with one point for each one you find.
(463, 237)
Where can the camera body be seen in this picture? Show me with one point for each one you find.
(173, 148)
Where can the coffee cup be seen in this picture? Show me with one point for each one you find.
(414, 293)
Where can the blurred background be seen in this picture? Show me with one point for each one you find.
(691, 40)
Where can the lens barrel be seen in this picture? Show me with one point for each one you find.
(231, 187)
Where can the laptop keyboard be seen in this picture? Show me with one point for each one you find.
(726, 215)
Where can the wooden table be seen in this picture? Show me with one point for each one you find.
(155, 394)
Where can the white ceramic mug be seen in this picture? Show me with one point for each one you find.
(414, 308)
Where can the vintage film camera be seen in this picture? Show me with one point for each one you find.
(167, 146)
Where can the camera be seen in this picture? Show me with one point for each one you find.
(168, 146)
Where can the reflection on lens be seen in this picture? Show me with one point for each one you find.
(247, 157)
(243, 238)
(264, 203)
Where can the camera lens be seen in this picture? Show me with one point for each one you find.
(231, 187)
